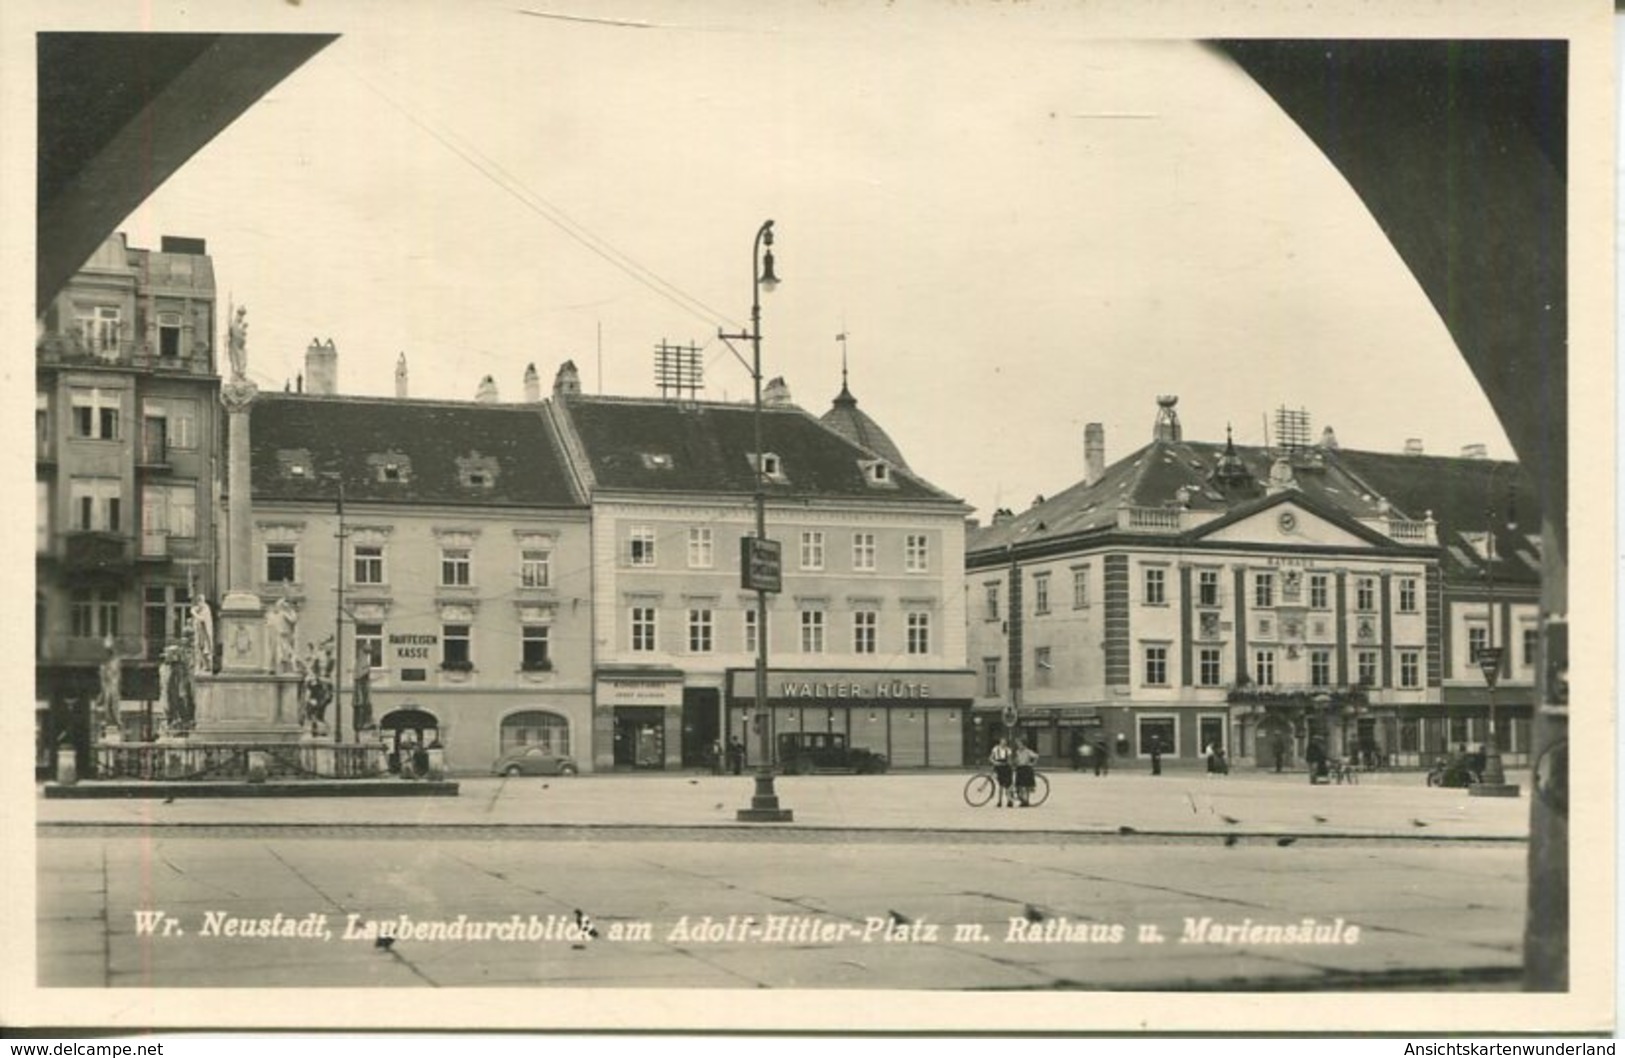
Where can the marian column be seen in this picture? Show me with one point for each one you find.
(242, 617)
(247, 702)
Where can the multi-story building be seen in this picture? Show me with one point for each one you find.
(867, 636)
(466, 570)
(126, 447)
(1197, 594)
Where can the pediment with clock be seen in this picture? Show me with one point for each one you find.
(1286, 523)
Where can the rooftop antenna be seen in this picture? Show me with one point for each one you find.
(600, 358)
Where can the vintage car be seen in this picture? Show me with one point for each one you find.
(534, 760)
(806, 752)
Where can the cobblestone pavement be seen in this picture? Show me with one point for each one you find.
(948, 914)
(881, 882)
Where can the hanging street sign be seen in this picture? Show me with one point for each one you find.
(1489, 660)
(761, 564)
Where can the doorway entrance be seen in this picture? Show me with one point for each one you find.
(702, 725)
(410, 727)
(640, 737)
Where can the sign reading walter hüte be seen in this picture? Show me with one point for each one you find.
(827, 688)
(761, 564)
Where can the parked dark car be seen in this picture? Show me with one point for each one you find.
(534, 760)
(805, 752)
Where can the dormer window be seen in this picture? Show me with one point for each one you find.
(391, 472)
(393, 467)
(1483, 544)
(295, 463)
(477, 471)
(772, 466)
(657, 460)
(877, 472)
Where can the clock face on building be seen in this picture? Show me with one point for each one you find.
(1287, 521)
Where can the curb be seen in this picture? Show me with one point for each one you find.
(731, 829)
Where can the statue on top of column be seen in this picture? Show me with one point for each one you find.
(237, 344)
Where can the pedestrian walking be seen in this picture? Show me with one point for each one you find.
(1103, 760)
(1082, 755)
(736, 755)
(713, 756)
(1156, 755)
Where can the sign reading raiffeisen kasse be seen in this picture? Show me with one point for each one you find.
(761, 564)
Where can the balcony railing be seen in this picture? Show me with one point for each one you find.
(71, 350)
(90, 550)
(1410, 531)
(1148, 519)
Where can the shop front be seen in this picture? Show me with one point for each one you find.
(917, 719)
(638, 719)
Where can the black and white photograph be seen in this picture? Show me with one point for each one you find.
(849, 517)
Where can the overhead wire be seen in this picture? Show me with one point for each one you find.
(554, 215)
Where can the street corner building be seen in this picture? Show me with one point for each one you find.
(1200, 594)
(867, 634)
(126, 445)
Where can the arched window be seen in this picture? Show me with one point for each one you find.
(536, 727)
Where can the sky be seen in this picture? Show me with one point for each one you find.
(1022, 226)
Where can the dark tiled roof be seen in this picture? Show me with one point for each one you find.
(1464, 496)
(846, 419)
(1360, 484)
(664, 446)
(1153, 477)
(439, 450)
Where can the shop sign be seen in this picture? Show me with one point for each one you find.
(640, 692)
(410, 645)
(830, 688)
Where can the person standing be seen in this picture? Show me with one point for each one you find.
(1026, 759)
(1002, 758)
(736, 755)
(1156, 755)
(1103, 760)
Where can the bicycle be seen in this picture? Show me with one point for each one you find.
(980, 788)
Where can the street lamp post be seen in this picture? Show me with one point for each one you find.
(1493, 782)
(759, 559)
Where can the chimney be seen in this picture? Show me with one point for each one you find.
(1328, 439)
(1476, 450)
(1003, 516)
(1094, 452)
(322, 369)
(533, 385)
(400, 378)
(567, 383)
(776, 394)
(487, 393)
(1413, 446)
